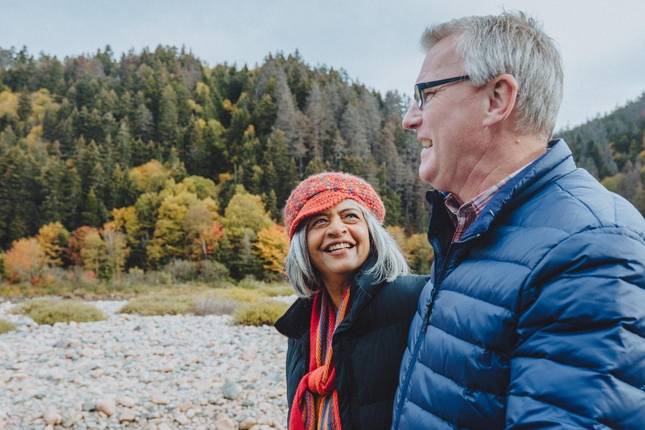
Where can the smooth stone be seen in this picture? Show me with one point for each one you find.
(181, 419)
(52, 416)
(56, 374)
(247, 423)
(223, 422)
(127, 416)
(126, 401)
(184, 406)
(88, 406)
(159, 400)
(231, 390)
(71, 418)
(106, 406)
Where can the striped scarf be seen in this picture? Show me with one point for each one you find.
(315, 404)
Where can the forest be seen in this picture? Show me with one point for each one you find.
(136, 162)
(156, 158)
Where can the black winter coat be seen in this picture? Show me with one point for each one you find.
(368, 346)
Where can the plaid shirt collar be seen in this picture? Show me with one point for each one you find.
(463, 215)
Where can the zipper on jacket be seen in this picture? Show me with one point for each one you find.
(417, 343)
(425, 323)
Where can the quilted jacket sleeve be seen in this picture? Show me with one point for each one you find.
(579, 360)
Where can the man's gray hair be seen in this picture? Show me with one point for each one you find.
(389, 263)
(512, 43)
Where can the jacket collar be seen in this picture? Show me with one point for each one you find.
(556, 162)
(295, 321)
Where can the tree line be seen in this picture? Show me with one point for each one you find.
(612, 148)
(147, 152)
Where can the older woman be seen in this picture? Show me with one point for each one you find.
(348, 329)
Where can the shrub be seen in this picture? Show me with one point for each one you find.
(182, 270)
(158, 278)
(212, 271)
(52, 311)
(275, 290)
(239, 294)
(159, 305)
(215, 306)
(249, 282)
(6, 326)
(266, 289)
(260, 313)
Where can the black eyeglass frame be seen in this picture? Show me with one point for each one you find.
(419, 94)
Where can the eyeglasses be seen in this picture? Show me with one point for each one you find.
(420, 94)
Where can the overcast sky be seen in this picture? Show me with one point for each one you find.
(376, 42)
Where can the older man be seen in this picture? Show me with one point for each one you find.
(535, 315)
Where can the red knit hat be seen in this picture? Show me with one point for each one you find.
(320, 192)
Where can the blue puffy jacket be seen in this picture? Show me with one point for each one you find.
(535, 318)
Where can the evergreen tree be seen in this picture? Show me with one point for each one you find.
(280, 167)
(19, 194)
(167, 122)
(24, 106)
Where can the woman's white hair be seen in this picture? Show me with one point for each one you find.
(510, 43)
(389, 260)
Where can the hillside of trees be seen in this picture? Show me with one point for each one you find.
(612, 148)
(155, 156)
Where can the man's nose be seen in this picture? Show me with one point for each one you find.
(412, 118)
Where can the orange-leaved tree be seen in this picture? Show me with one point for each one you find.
(75, 244)
(24, 261)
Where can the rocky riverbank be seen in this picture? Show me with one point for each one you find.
(133, 372)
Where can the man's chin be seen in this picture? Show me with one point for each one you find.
(426, 174)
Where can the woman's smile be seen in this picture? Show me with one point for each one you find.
(338, 241)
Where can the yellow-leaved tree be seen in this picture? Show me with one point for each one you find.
(419, 253)
(415, 248)
(93, 251)
(126, 220)
(272, 246)
(116, 253)
(53, 239)
(149, 177)
(202, 228)
(244, 217)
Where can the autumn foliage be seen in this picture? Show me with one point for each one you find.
(176, 226)
(272, 246)
(24, 261)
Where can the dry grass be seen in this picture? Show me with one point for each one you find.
(46, 311)
(155, 304)
(199, 300)
(6, 326)
(260, 313)
(214, 306)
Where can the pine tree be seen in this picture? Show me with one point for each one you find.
(19, 194)
(167, 123)
(280, 166)
(24, 106)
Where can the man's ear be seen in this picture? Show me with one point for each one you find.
(502, 95)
